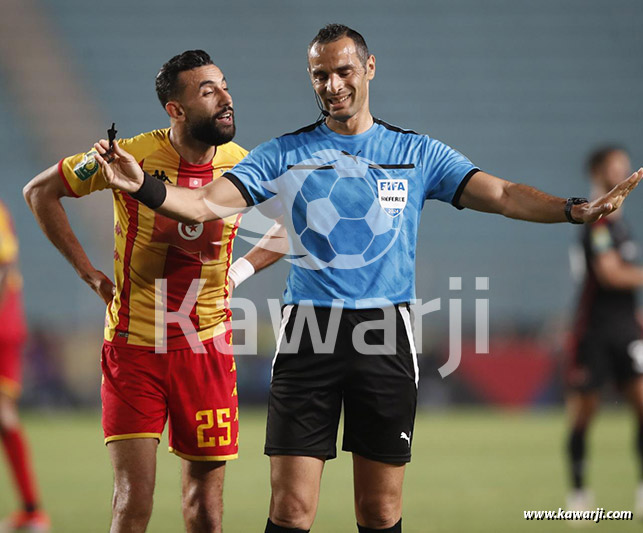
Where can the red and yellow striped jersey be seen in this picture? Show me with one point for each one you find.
(13, 325)
(150, 247)
(9, 249)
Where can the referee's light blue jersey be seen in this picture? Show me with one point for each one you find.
(352, 206)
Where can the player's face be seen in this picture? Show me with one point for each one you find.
(339, 77)
(207, 105)
(615, 169)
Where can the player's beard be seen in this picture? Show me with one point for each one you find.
(207, 131)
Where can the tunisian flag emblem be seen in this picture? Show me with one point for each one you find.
(203, 240)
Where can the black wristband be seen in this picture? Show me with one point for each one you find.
(568, 209)
(152, 193)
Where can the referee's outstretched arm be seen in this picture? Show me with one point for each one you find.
(487, 193)
(222, 198)
(218, 199)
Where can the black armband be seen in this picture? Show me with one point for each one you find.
(152, 193)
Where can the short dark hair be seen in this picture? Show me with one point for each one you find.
(167, 84)
(597, 157)
(334, 32)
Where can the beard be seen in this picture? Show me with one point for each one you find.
(207, 131)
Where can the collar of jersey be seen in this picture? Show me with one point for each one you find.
(349, 138)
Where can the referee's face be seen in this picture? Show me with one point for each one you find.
(340, 78)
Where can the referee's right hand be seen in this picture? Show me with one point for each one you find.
(608, 203)
(122, 171)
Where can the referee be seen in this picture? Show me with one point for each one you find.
(311, 384)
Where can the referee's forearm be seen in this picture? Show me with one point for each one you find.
(185, 205)
(216, 200)
(523, 202)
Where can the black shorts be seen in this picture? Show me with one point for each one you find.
(375, 378)
(606, 352)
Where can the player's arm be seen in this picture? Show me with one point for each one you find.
(272, 247)
(43, 194)
(487, 193)
(614, 273)
(218, 199)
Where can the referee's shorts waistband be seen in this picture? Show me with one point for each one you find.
(405, 305)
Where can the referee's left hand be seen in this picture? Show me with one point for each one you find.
(608, 203)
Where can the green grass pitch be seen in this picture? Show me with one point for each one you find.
(472, 471)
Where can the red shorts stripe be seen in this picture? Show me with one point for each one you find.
(129, 436)
(203, 458)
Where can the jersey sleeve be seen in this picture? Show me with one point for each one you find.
(447, 172)
(252, 175)
(82, 174)
(8, 240)
(271, 208)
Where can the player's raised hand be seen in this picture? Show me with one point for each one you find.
(609, 202)
(120, 169)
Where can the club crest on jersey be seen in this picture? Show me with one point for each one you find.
(87, 167)
(392, 195)
(190, 232)
(203, 240)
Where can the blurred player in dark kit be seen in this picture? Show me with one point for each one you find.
(607, 338)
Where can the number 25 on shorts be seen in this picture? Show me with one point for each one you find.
(208, 417)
